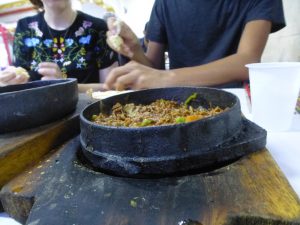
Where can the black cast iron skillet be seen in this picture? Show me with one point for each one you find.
(36, 103)
(139, 152)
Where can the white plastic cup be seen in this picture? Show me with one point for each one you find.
(274, 89)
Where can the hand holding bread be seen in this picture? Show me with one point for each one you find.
(122, 39)
(13, 75)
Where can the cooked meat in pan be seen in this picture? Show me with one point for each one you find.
(158, 113)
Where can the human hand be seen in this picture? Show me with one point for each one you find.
(122, 39)
(50, 71)
(13, 75)
(136, 76)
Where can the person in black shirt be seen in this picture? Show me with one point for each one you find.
(208, 43)
(144, 41)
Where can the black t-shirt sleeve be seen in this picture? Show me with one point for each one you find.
(156, 30)
(271, 10)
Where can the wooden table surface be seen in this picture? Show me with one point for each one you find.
(20, 150)
(59, 189)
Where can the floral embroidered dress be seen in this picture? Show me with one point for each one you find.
(80, 51)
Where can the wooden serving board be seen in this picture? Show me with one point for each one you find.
(22, 149)
(61, 190)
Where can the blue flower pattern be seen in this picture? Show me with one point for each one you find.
(31, 42)
(74, 49)
(48, 42)
(85, 40)
(69, 42)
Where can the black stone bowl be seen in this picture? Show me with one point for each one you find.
(36, 103)
(160, 150)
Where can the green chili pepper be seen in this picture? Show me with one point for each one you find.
(94, 117)
(146, 122)
(133, 203)
(190, 98)
(180, 120)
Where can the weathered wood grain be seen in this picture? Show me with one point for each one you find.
(61, 190)
(23, 149)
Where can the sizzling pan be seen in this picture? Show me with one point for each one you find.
(36, 103)
(161, 150)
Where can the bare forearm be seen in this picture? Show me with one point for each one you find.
(141, 58)
(231, 68)
(226, 70)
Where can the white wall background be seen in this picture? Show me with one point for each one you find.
(284, 45)
(134, 12)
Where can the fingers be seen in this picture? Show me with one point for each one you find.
(122, 29)
(21, 79)
(10, 80)
(126, 81)
(9, 77)
(111, 40)
(103, 87)
(50, 70)
(47, 65)
(132, 75)
(116, 43)
(115, 74)
(120, 32)
(47, 78)
(114, 25)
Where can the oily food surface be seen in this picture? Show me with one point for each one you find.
(160, 112)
